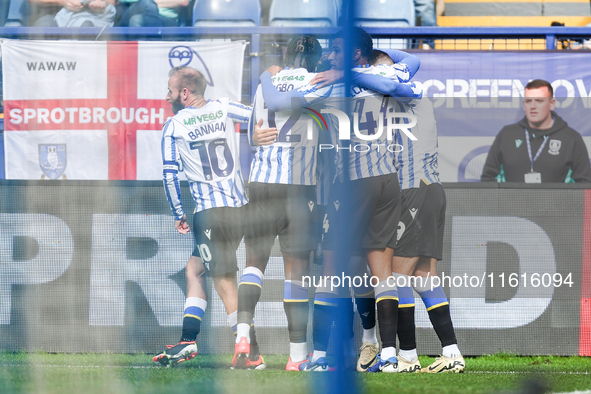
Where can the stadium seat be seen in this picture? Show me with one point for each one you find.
(186, 15)
(300, 13)
(227, 13)
(515, 13)
(3, 12)
(385, 13)
(18, 13)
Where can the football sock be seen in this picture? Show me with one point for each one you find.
(408, 355)
(254, 345)
(387, 302)
(406, 318)
(388, 352)
(249, 292)
(438, 309)
(369, 335)
(298, 351)
(295, 304)
(243, 331)
(365, 299)
(318, 354)
(441, 319)
(233, 321)
(451, 351)
(194, 310)
(366, 306)
(325, 304)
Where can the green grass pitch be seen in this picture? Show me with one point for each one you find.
(121, 373)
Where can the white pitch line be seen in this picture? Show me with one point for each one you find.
(533, 373)
(577, 392)
(79, 366)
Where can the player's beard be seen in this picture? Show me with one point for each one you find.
(177, 105)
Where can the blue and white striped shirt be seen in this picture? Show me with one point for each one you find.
(292, 158)
(397, 71)
(374, 157)
(415, 161)
(204, 144)
(371, 157)
(418, 159)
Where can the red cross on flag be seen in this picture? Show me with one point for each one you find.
(95, 110)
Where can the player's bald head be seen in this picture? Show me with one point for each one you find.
(189, 78)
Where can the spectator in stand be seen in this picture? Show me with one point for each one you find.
(575, 44)
(3, 12)
(540, 147)
(85, 12)
(135, 13)
(426, 16)
(584, 44)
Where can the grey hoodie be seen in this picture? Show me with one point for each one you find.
(564, 152)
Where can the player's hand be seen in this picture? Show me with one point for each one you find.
(73, 5)
(327, 78)
(181, 225)
(264, 136)
(274, 70)
(97, 6)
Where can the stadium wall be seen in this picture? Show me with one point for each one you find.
(98, 267)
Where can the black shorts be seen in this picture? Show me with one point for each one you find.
(363, 214)
(217, 233)
(422, 221)
(287, 211)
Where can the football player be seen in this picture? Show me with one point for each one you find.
(200, 139)
(282, 203)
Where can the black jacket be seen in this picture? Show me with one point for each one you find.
(564, 151)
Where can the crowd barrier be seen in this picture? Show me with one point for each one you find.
(98, 267)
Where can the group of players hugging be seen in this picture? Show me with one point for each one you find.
(371, 198)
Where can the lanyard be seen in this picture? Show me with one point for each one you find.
(532, 160)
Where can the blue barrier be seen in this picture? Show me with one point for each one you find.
(183, 33)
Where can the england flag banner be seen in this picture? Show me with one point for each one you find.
(95, 110)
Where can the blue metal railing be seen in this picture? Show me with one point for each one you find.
(188, 33)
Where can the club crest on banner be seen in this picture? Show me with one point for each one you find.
(53, 160)
(187, 57)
